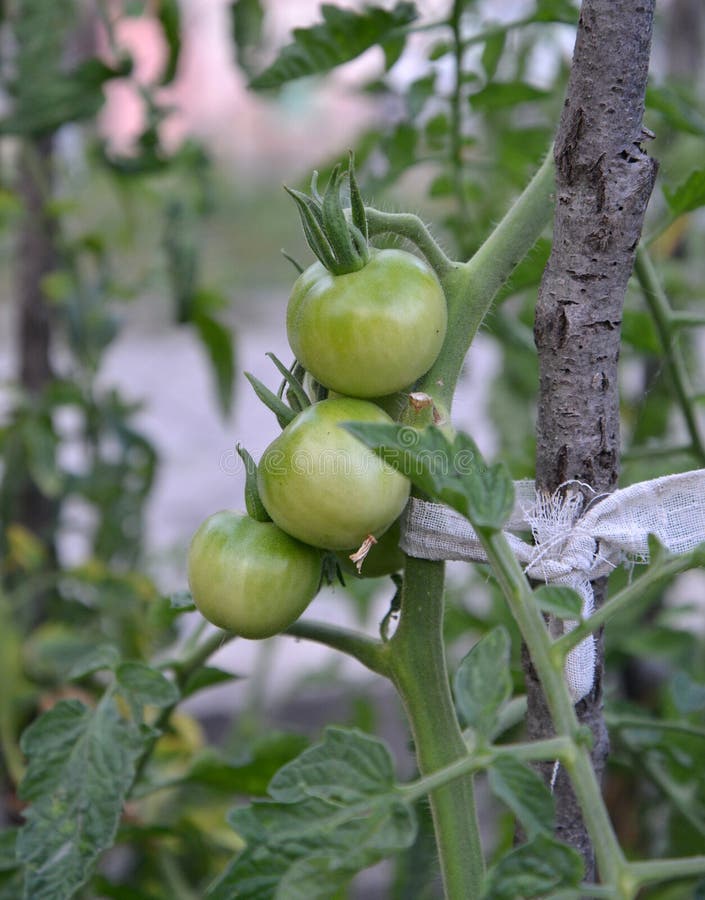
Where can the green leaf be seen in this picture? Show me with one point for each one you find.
(182, 600)
(678, 107)
(8, 841)
(525, 793)
(688, 695)
(483, 681)
(170, 20)
(533, 870)
(492, 53)
(689, 195)
(81, 764)
(342, 36)
(246, 18)
(556, 11)
(205, 677)
(104, 656)
(639, 331)
(334, 811)
(451, 471)
(500, 95)
(145, 686)
(562, 602)
(218, 343)
(251, 772)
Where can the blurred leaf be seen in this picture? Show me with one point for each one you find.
(560, 601)
(247, 18)
(182, 600)
(81, 766)
(419, 91)
(146, 686)
(678, 107)
(525, 793)
(8, 840)
(639, 331)
(252, 773)
(492, 53)
(205, 677)
(688, 695)
(556, 11)
(451, 471)
(483, 681)
(533, 870)
(500, 94)
(24, 549)
(170, 20)
(334, 811)
(689, 195)
(104, 656)
(342, 36)
(218, 343)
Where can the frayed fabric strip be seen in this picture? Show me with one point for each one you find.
(574, 542)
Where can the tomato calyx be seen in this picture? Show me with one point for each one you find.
(253, 502)
(338, 241)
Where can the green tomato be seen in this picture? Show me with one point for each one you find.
(250, 577)
(370, 332)
(322, 485)
(384, 558)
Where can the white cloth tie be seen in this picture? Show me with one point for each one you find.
(573, 544)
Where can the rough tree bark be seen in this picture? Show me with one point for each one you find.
(603, 183)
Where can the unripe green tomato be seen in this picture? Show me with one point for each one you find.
(384, 558)
(371, 332)
(323, 486)
(250, 577)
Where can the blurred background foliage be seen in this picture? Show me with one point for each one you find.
(177, 222)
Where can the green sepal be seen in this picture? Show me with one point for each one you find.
(357, 206)
(297, 265)
(297, 396)
(313, 231)
(283, 412)
(253, 502)
(336, 227)
(338, 240)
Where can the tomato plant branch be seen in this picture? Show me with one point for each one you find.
(654, 870)
(632, 593)
(517, 592)
(418, 669)
(411, 228)
(369, 652)
(663, 317)
(472, 286)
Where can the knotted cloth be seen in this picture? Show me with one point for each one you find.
(574, 542)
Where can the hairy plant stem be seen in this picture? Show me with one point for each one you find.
(418, 669)
(549, 667)
(657, 572)
(416, 653)
(663, 317)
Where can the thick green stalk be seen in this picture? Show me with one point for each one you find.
(662, 571)
(472, 286)
(418, 669)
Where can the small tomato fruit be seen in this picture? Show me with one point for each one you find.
(322, 485)
(250, 577)
(370, 332)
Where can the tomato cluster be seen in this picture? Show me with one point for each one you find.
(363, 324)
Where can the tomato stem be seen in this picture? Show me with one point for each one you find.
(418, 668)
